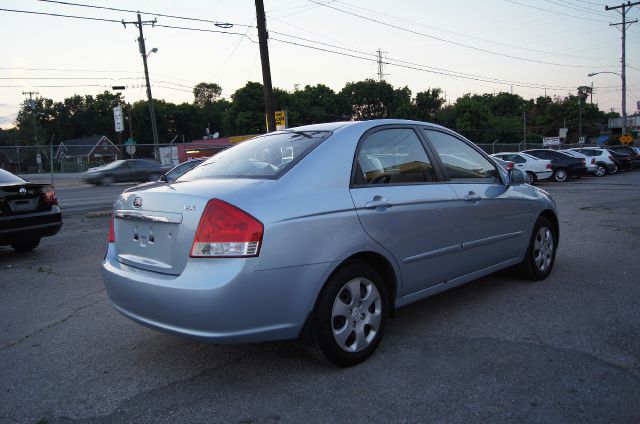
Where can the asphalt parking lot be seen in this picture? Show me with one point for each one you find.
(498, 350)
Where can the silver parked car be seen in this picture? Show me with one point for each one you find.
(319, 232)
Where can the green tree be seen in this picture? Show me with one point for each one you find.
(205, 93)
(428, 104)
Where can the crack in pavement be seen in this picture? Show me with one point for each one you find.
(28, 336)
(81, 297)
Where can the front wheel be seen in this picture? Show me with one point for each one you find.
(350, 315)
(560, 175)
(531, 178)
(614, 170)
(541, 253)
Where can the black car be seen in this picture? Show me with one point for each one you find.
(124, 171)
(624, 162)
(28, 212)
(633, 156)
(181, 169)
(563, 165)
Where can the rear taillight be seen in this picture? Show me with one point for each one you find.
(112, 233)
(49, 195)
(549, 166)
(593, 161)
(584, 163)
(226, 231)
(509, 165)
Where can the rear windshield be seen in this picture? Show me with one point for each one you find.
(9, 178)
(267, 156)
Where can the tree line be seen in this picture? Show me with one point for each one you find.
(484, 118)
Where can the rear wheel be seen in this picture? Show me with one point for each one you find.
(106, 180)
(600, 171)
(560, 175)
(541, 253)
(531, 178)
(350, 315)
(26, 246)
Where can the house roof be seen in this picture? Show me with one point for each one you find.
(77, 147)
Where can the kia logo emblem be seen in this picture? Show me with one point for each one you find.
(137, 202)
(23, 191)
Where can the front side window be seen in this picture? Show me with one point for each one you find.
(462, 162)
(267, 156)
(393, 156)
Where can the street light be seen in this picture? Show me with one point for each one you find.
(152, 112)
(624, 96)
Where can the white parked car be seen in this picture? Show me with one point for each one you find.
(604, 161)
(590, 162)
(535, 169)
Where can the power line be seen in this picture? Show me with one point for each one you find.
(501, 43)
(555, 12)
(216, 23)
(444, 40)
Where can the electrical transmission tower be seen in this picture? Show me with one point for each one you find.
(381, 64)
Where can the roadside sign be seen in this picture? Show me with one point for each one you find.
(551, 141)
(38, 158)
(129, 141)
(563, 132)
(281, 120)
(582, 140)
(117, 118)
(131, 149)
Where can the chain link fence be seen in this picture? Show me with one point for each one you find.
(35, 159)
(78, 158)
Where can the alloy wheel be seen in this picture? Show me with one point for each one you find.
(356, 315)
(543, 246)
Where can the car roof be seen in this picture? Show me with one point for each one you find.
(365, 125)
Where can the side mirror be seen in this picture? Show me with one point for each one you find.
(163, 178)
(516, 177)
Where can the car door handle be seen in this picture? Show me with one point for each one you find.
(378, 203)
(472, 197)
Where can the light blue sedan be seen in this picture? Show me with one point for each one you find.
(319, 232)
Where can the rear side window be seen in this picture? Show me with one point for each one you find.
(267, 156)
(393, 156)
(462, 162)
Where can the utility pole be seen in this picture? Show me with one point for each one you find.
(580, 117)
(381, 64)
(32, 105)
(625, 8)
(263, 36)
(143, 52)
(524, 126)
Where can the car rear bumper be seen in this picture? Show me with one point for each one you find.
(217, 300)
(20, 228)
(577, 171)
(544, 175)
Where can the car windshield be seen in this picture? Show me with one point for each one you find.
(9, 178)
(267, 156)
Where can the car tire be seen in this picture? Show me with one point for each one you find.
(560, 175)
(541, 252)
(350, 315)
(106, 180)
(531, 178)
(26, 246)
(600, 171)
(614, 170)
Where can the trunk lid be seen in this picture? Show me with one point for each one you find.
(155, 226)
(16, 199)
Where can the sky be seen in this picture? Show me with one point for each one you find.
(522, 46)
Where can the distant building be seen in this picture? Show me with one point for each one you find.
(95, 149)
